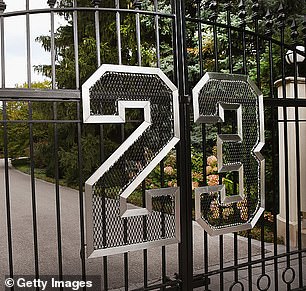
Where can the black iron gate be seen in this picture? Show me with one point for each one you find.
(43, 225)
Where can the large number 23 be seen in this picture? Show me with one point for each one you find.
(112, 224)
(217, 210)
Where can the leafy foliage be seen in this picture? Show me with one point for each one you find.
(18, 133)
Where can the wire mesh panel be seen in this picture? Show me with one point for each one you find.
(113, 224)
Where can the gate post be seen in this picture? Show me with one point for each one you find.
(186, 245)
(290, 166)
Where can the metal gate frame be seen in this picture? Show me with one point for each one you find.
(186, 280)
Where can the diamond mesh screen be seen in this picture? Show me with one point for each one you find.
(109, 228)
(213, 212)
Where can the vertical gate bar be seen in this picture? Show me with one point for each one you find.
(230, 64)
(157, 38)
(28, 44)
(162, 185)
(164, 271)
(242, 16)
(157, 41)
(274, 162)
(56, 161)
(304, 43)
(186, 246)
(262, 243)
(221, 237)
(205, 184)
(118, 22)
(52, 48)
(81, 203)
(304, 36)
(156, 19)
(7, 185)
(6, 162)
(97, 31)
(255, 9)
(76, 46)
(98, 55)
(33, 190)
(145, 251)
(206, 286)
(200, 40)
(250, 277)
(125, 256)
(236, 255)
(282, 33)
(2, 8)
(221, 262)
(105, 258)
(294, 35)
(57, 196)
(122, 132)
(281, 18)
(145, 268)
(125, 238)
(145, 237)
(228, 7)
(138, 35)
(79, 143)
(235, 238)
(275, 180)
(126, 267)
(214, 6)
(269, 34)
(174, 53)
(102, 149)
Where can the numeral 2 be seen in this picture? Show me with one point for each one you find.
(112, 226)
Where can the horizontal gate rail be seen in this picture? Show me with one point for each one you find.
(39, 95)
(280, 102)
(41, 121)
(61, 10)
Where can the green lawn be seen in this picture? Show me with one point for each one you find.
(23, 165)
